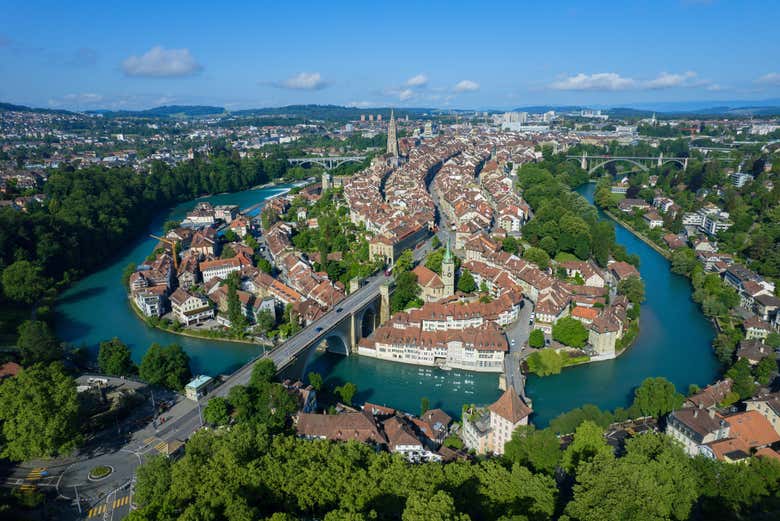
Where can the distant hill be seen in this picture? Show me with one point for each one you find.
(537, 109)
(10, 107)
(327, 112)
(166, 111)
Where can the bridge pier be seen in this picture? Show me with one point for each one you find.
(584, 162)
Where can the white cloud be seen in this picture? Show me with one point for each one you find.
(598, 81)
(159, 62)
(303, 81)
(406, 94)
(612, 81)
(772, 79)
(666, 80)
(419, 80)
(466, 86)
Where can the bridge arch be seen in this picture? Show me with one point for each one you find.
(336, 342)
(615, 160)
(367, 321)
(674, 160)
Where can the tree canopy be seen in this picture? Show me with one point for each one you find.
(166, 366)
(39, 410)
(114, 358)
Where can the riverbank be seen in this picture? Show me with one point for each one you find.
(639, 235)
(191, 333)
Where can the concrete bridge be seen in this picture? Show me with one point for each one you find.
(593, 163)
(352, 319)
(328, 163)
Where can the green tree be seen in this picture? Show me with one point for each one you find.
(37, 343)
(406, 291)
(539, 450)
(433, 261)
(773, 340)
(633, 288)
(263, 372)
(315, 379)
(588, 443)
(127, 273)
(536, 339)
(510, 244)
(537, 256)
(217, 411)
(466, 282)
(166, 366)
(657, 397)
(438, 507)
(236, 315)
(39, 410)
(114, 358)
(570, 331)
(265, 322)
(403, 263)
(153, 480)
(264, 265)
(170, 225)
(654, 481)
(742, 377)
(545, 362)
(346, 392)
(765, 369)
(24, 282)
(425, 404)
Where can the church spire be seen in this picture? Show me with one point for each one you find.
(392, 136)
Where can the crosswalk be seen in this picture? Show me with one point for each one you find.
(103, 507)
(98, 510)
(120, 502)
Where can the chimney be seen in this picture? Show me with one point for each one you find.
(695, 413)
(712, 413)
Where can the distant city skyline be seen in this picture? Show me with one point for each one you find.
(492, 55)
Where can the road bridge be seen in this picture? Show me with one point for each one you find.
(328, 163)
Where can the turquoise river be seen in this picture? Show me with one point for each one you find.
(674, 341)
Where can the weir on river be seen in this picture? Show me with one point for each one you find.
(674, 339)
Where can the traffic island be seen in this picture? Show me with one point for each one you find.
(100, 472)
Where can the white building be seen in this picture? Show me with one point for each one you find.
(190, 309)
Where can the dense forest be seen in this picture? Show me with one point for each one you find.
(563, 220)
(90, 213)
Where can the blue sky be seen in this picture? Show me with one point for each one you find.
(85, 54)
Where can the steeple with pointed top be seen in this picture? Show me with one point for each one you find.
(392, 136)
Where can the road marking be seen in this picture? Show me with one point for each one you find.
(162, 446)
(97, 510)
(149, 440)
(120, 502)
